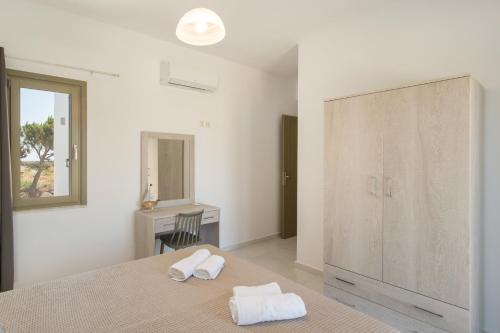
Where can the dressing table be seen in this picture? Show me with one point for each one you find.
(167, 175)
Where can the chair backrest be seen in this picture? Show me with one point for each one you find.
(187, 229)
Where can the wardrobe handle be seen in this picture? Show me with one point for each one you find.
(429, 312)
(348, 282)
(373, 185)
(388, 187)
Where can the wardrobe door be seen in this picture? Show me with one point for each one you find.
(353, 185)
(426, 171)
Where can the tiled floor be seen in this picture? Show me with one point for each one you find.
(278, 255)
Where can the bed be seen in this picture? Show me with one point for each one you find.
(138, 296)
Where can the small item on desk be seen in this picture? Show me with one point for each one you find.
(265, 289)
(183, 269)
(248, 310)
(148, 204)
(210, 268)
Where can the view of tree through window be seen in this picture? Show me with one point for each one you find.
(44, 144)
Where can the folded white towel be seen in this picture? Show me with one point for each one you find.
(210, 268)
(255, 309)
(184, 268)
(265, 289)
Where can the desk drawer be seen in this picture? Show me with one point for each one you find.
(168, 223)
(439, 314)
(210, 217)
(164, 224)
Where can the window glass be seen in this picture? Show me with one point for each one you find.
(44, 143)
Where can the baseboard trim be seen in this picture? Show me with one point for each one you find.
(307, 268)
(250, 242)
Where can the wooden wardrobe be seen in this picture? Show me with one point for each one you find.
(402, 204)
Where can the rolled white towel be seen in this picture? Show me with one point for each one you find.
(265, 289)
(255, 309)
(184, 268)
(210, 268)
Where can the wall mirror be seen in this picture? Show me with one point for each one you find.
(167, 168)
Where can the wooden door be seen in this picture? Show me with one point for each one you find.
(426, 154)
(289, 177)
(353, 185)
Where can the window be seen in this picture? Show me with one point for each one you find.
(48, 136)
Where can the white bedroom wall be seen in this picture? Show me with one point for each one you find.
(404, 42)
(237, 157)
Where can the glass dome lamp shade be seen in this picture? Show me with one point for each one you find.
(200, 27)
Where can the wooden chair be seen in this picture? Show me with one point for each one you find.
(186, 232)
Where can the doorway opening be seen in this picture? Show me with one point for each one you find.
(288, 176)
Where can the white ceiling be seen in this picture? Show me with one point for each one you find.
(259, 33)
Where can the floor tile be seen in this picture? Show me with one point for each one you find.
(279, 255)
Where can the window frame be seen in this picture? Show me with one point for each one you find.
(16, 80)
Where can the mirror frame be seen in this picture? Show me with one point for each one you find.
(188, 166)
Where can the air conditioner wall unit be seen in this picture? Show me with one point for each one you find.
(176, 74)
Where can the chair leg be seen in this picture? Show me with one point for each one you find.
(162, 247)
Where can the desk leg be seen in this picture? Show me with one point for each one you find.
(144, 237)
(209, 234)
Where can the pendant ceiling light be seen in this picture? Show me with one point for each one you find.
(200, 26)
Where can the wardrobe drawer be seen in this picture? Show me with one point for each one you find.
(210, 217)
(434, 312)
(393, 318)
(164, 224)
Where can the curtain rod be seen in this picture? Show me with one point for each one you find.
(91, 71)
